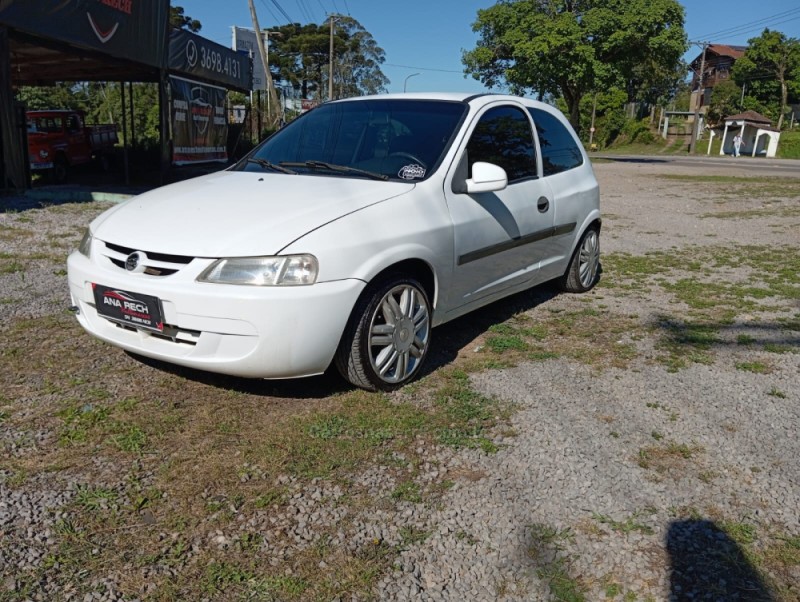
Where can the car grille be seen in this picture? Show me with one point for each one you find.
(156, 264)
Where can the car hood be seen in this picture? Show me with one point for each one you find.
(232, 213)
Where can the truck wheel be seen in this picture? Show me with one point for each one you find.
(60, 169)
(104, 161)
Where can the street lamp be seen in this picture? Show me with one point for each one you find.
(406, 81)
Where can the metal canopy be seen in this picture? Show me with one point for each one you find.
(40, 62)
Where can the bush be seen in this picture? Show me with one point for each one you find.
(635, 131)
(789, 145)
(638, 131)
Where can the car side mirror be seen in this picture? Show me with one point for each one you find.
(486, 177)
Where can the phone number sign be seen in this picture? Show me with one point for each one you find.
(194, 55)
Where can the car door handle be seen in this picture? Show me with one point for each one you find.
(542, 204)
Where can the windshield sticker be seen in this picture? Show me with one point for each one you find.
(412, 172)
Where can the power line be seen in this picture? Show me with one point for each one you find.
(423, 68)
(286, 16)
(269, 10)
(347, 8)
(757, 24)
(304, 10)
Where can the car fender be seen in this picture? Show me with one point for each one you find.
(363, 244)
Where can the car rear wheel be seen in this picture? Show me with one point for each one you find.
(387, 337)
(584, 267)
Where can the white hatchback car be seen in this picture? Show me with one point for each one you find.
(345, 237)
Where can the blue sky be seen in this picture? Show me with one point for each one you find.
(427, 37)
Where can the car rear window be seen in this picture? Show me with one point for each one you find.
(560, 152)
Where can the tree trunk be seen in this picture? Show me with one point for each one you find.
(784, 99)
(573, 100)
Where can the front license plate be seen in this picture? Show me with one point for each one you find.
(135, 309)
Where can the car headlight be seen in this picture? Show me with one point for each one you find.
(286, 270)
(85, 248)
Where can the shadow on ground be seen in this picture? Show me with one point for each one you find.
(706, 564)
(447, 341)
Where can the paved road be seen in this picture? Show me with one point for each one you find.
(744, 165)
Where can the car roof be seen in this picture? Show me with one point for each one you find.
(474, 99)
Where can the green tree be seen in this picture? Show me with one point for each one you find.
(178, 20)
(59, 96)
(725, 101)
(300, 56)
(570, 48)
(357, 68)
(771, 69)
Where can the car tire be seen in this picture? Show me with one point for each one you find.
(387, 336)
(584, 266)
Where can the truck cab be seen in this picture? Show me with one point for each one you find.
(59, 139)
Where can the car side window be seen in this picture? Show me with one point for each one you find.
(560, 152)
(503, 136)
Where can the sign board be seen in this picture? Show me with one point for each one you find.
(128, 29)
(199, 122)
(195, 56)
(307, 104)
(245, 42)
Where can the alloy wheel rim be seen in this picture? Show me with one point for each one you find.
(589, 259)
(399, 333)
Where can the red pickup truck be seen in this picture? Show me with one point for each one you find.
(58, 140)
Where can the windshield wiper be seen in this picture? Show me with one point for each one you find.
(268, 165)
(333, 167)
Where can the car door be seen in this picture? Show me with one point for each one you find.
(500, 237)
(79, 151)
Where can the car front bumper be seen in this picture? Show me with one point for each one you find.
(249, 331)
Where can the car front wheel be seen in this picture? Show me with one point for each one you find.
(387, 337)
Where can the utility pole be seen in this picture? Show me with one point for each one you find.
(591, 128)
(272, 98)
(695, 126)
(266, 34)
(330, 60)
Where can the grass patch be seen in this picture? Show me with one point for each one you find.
(669, 458)
(547, 550)
(754, 367)
(594, 336)
(629, 525)
(768, 281)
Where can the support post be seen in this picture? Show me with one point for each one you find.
(13, 155)
(330, 64)
(696, 124)
(164, 118)
(262, 52)
(125, 134)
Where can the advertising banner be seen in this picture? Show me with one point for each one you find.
(195, 56)
(245, 43)
(128, 29)
(199, 122)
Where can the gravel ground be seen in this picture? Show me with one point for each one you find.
(618, 481)
(581, 428)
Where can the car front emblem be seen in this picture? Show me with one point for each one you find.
(132, 263)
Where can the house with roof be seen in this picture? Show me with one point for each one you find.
(720, 59)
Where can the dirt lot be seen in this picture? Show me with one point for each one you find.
(635, 443)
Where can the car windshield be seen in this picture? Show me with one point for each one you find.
(394, 139)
